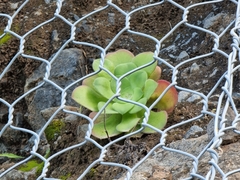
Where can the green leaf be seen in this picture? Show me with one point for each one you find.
(124, 68)
(122, 107)
(149, 88)
(127, 92)
(137, 94)
(157, 120)
(87, 97)
(108, 109)
(96, 64)
(137, 79)
(125, 83)
(102, 85)
(109, 125)
(129, 121)
(136, 108)
(119, 57)
(145, 58)
(10, 155)
(107, 64)
(113, 85)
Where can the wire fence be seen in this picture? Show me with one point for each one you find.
(225, 82)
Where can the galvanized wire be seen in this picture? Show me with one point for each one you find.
(225, 99)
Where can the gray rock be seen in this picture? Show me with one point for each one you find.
(183, 56)
(3, 114)
(193, 132)
(13, 6)
(19, 175)
(3, 148)
(111, 18)
(214, 72)
(164, 164)
(76, 17)
(71, 117)
(48, 112)
(49, 1)
(10, 135)
(230, 136)
(211, 20)
(173, 165)
(183, 95)
(67, 67)
(55, 35)
(193, 98)
(194, 68)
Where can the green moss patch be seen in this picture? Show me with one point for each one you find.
(54, 129)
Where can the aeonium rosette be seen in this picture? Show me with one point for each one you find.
(142, 86)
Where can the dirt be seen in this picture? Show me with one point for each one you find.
(97, 29)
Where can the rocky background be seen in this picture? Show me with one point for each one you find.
(36, 100)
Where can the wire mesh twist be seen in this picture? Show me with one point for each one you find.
(219, 119)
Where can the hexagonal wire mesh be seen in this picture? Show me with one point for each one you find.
(191, 23)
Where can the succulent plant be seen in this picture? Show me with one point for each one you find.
(142, 86)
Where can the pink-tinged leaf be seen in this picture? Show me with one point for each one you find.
(168, 101)
(89, 81)
(157, 120)
(120, 56)
(87, 97)
(156, 74)
(107, 127)
(129, 121)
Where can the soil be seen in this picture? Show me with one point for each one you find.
(97, 29)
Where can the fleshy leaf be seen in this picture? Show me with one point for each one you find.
(102, 85)
(149, 88)
(168, 101)
(125, 84)
(107, 128)
(122, 107)
(87, 97)
(127, 93)
(108, 109)
(120, 56)
(137, 94)
(137, 79)
(156, 74)
(123, 68)
(136, 108)
(157, 120)
(128, 122)
(144, 58)
(102, 73)
(89, 81)
(107, 64)
(96, 64)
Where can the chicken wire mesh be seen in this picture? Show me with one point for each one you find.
(225, 86)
